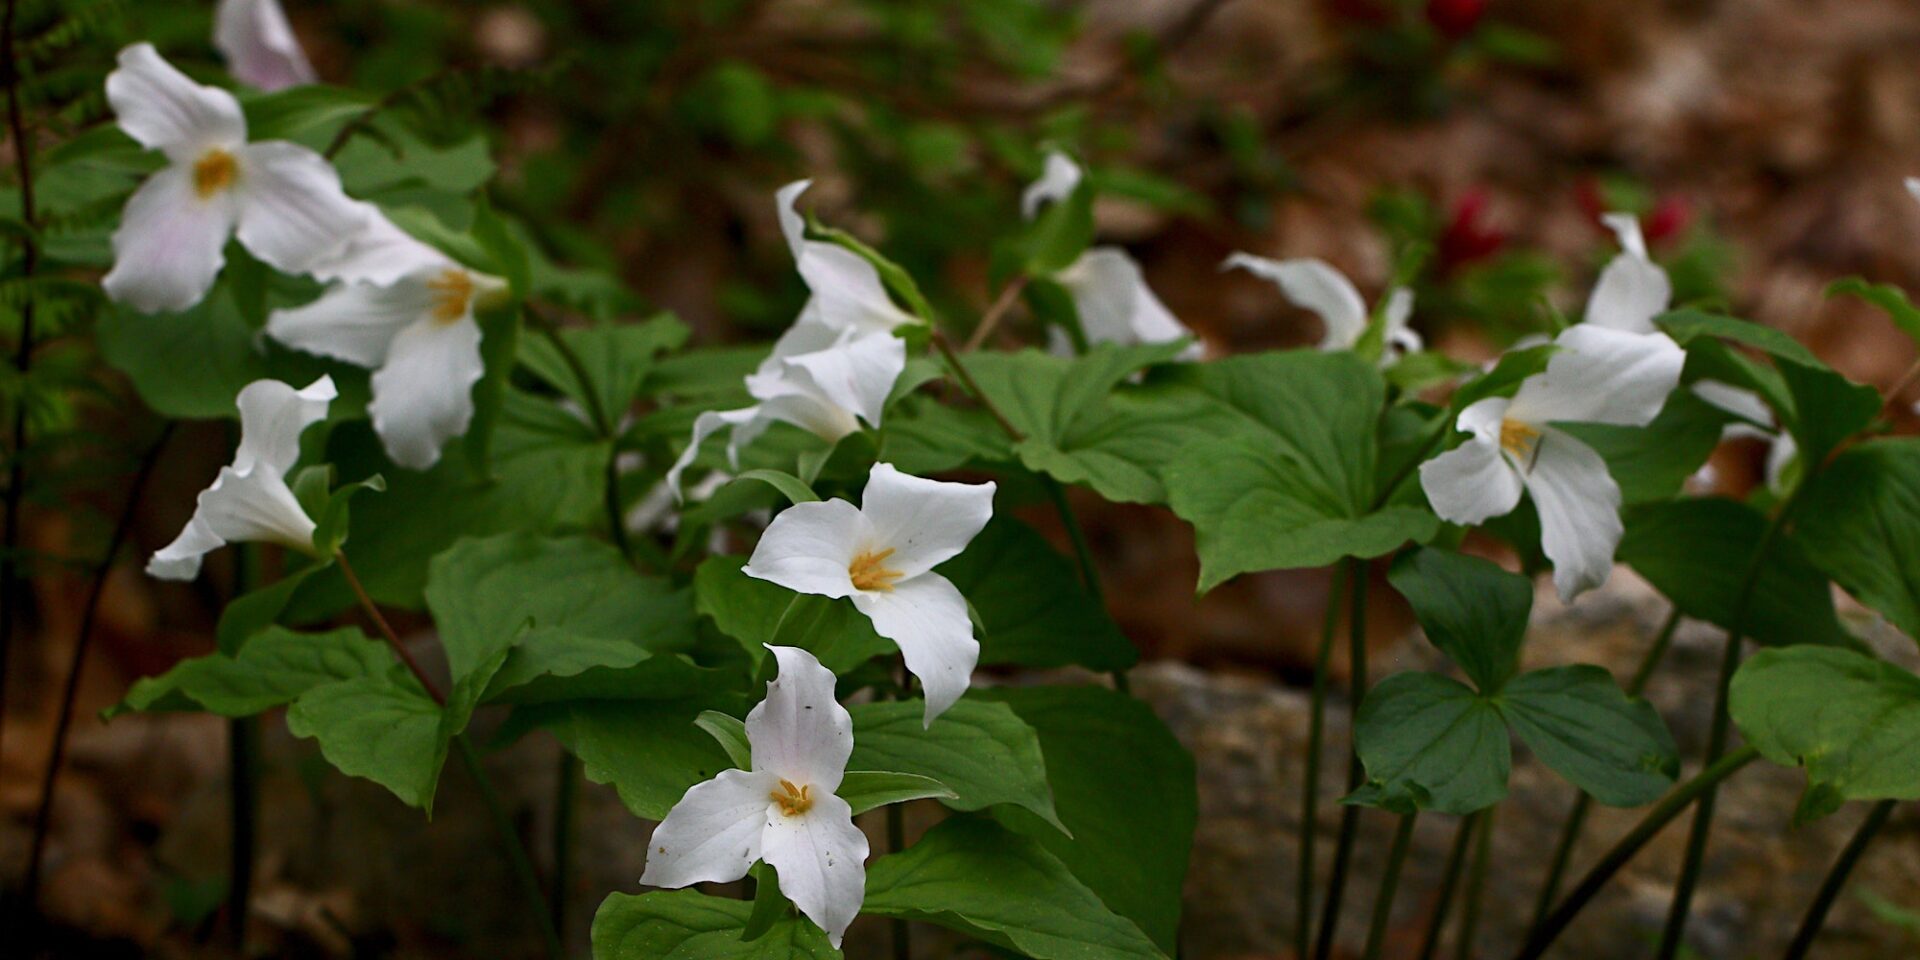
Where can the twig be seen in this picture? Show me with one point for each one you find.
(1310, 792)
(1836, 879)
(10, 579)
(1449, 882)
(945, 346)
(1476, 886)
(1349, 817)
(1389, 883)
(999, 308)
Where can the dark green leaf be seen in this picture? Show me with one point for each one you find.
(870, 789)
(688, 924)
(983, 752)
(379, 726)
(1471, 609)
(1853, 722)
(1654, 462)
(757, 613)
(274, 668)
(1577, 721)
(1859, 521)
(1429, 742)
(650, 751)
(1041, 616)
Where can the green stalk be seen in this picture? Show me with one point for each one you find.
(1310, 792)
(1083, 555)
(1350, 816)
(1582, 802)
(1476, 887)
(896, 842)
(1656, 819)
(1389, 884)
(566, 798)
(1836, 879)
(1449, 881)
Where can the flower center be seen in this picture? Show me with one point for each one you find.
(867, 573)
(452, 293)
(213, 172)
(793, 800)
(1519, 439)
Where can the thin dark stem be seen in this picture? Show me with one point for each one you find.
(386, 630)
(96, 589)
(1836, 880)
(995, 312)
(566, 798)
(1083, 555)
(1650, 825)
(243, 754)
(1389, 885)
(1899, 387)
(896, 842)
(1583, 802)
(1476, 887)
(1449, 882)
(1349, 816)
(1310, 792)
(603, 424)
(945, 347)
(10, 578)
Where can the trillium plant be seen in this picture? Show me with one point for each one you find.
(852, 670)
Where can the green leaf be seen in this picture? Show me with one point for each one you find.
(976, 877)
(650, 751)
(790, 486)
(870, 789)
(1134, 854)
(1697, 551)
(274, 668)
(769, 904)
(331, 530)
(191, 365)
(1041, 616)
(1060, 234)
(617, 359)
(309, 110)
(731, 733)
(1475, 612)
(1853, 722)
(1578, 721)
(1887, 297)
(1429, 742)
(380, 726)
(1859, 520)
(1820, 407)
(983, 752)
(256, 610)
(689, 924)
(1654, 462)
(756, 612)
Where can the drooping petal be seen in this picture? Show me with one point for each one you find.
(161, 109)
(927, 617)
(1471, 483)
(259, 45)
(1602, 375)
(255, 507)
(1579, 506)
(1058, 179)
(846, 288)
(180, 560)
(924, 522)
(380, 254)
(808, 334)
(293, 212)
(855, 375)
(355, 322)
(423, 394)
(1756, 416)
(809, 546)
(272, 417)
(1400, 339)
(801, 404)
(704, 426)
(800, 732)
(168, 247)
(1115, 305)
(714, 834)
(1314, 284)
(1632, 290)
(821, 858)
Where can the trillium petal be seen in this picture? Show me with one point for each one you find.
(180, 560)
(800, 733)
(1471, 483)
(804, 407)
(857, 375)
(293, 212)
(1114, 303)
(924, 522)
(355, 322)
(380, 253)
(808, 334)
(259, 45)
(255, 507)
(423, 394)
(809, 546)
(1632, 290)
(713, 835)
(1058, 179)
(704, 426)
(1579, 507)
(168, 247)
(821, 858)
(1602, 375)
(1315, 285)
(847, 290)
(1400, 338)
(161, 109)
(1740, 402)
(927, 617)
(272, 417)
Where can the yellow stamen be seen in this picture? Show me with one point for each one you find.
(452, 293)
(793, 800)
(1518, 438)
(213, 172)
(868, 574)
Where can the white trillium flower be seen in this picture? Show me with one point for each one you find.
(406, 311)
(1600, 375)
(281, 199)
(250, 500)
(882, 554)
(783, 811)
(846, 292)
(1632, 289)
(1316, 285)
(1109, 291)
(259, 45)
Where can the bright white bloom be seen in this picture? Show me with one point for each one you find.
(250, 500)
(406, 311)
(259, 45)
(283, 200)
(1599, 375)
(882, 554)
(1314, 284)
(846, 293)
(783, 811)
(1109, 291)
(1632, 289)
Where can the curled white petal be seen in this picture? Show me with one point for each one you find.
(423, 393)
(161, 109)
(1632, 289)
(272, 417)
(259, 44)
(1740, 402)
(809, 547)
(927, 618)
(169, 246)
(1058, 179)
(255, 507)
(1115, 305)
(180, 560)
(380, 253)
(1314, 284)
(1579, 506)
(847, 290)
(856, 376)
(821, 859)
(924, 522)
(705, 425)
(354, 322)
(293, 212)
(713, 835)
(800, 733)
(1602, 375)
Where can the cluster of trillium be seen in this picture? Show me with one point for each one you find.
(405, 309)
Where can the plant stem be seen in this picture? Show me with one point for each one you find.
(1083, 555)
(603, 424)
(96, 589)
(566, 798)
(1476, 887)
(1449, 881)
(1649, 826)
(243, 760)
(991, 319)
(10, 579)
(896, 842)
(1310, 793)
(1836, 879)
(510, 843)
(1582, 802)
(945, 347)
(1389, 884)
(1350, 816)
